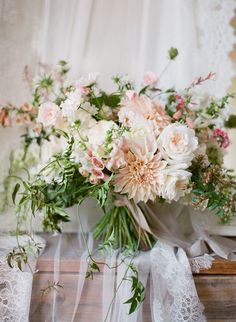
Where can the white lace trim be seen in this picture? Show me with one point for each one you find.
(216, 41)
(201, 262)
(175, 296)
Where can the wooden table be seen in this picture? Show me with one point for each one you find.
(216, 287)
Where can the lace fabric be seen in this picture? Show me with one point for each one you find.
(174, 293)
(213, 18)
(15, 285)
(15, 292)
(201, 262)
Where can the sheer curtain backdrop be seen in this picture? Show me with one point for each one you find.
(110, 37)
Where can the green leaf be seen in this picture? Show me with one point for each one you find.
(173, 53)
(9, 260)
(97, 101)
(16, 189)
(112, 100)
(231, 122)
(143, 90)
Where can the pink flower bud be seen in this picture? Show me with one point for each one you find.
(84, 90)
(90, 153)
(85, 173)
(8, 121)
(190, 122)
(150, 79)
(97, 173)
(177, 115)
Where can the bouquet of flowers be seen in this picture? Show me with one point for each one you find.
(126, 149)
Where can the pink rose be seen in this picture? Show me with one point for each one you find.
(49, 114)
(150, 79)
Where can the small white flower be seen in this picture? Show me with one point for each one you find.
(91, 109)
(71, 105)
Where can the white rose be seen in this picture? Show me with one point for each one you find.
(174, 183)
(177, 143)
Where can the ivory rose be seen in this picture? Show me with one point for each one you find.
(175, 183)
(177, 143)
(49, 114)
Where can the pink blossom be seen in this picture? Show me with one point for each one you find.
(222, 138)
(38, 128)
(90, 153)
(26, 118)
(106, 177)
(132, 95)
(97, 163)
(181, 102)
(84, 82)
(150, 79)
(49, 114)
(177, 115)
(93, 180)
(85, 173)
(18, 119)
(190, 122)
(97, 173)
(8, 121)
(83, 90)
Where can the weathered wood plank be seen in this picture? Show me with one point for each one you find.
(70, 263)
(217, 293)
(216, 287)
(89, 309)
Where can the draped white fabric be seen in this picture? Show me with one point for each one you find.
(133, 36)
(165, 272)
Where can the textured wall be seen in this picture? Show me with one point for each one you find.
(230, 158)
(19, 32)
